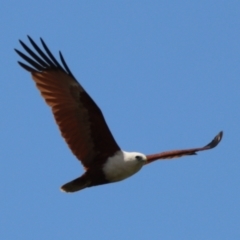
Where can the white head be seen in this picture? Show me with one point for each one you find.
(136, 157)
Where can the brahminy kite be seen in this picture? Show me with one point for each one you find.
(83, 126)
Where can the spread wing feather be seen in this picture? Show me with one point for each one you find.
(80, 120)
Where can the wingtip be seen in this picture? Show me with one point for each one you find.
(217, 139)
(30, 39)
(43, 43)
(63, 190)
(220, 134)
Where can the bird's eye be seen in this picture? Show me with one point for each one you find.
(138, 157)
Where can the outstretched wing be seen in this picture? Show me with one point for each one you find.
(80, 120)
(185, 152)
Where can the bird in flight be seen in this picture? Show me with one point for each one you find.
(83, 126)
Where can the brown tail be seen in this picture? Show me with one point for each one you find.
(76, 185)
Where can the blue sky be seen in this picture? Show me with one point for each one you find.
(166, 76)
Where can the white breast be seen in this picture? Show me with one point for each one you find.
(122, 165)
